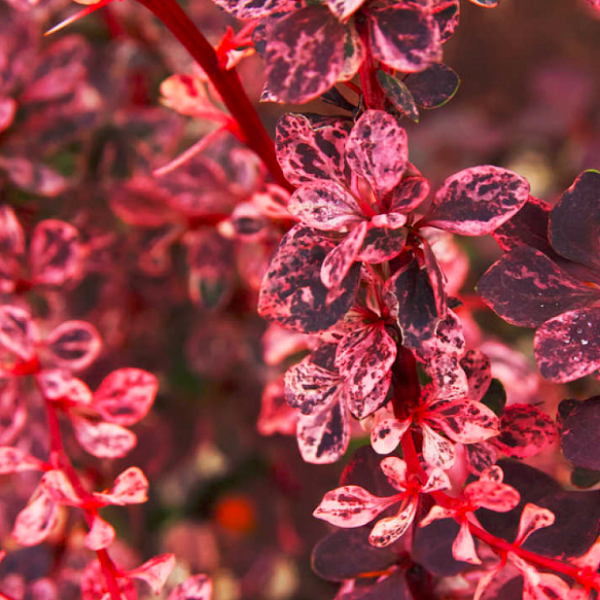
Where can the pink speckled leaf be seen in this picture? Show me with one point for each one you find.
(396, 471)
(310, 386)
(59, 384)
(417, 313)
(35, 522)
(304, 54)
(130, 487)
(404, 37)
(478, 370)
(253, 9)
(60, 69)
(436, 481)
(125, 396)
(493, 495)
(13, 409)
(399, 95)
(351, 506)
(13, 460)
(408, 194)
(436, 513)
(12, 237)
(8, 110)
(533, 518)
(575, 221)
(154, 571)
(480, 457)
(311, 148)
(447, 15)
(437, 450)
(464, 421)
(382, 243)
(476, 201)
(377, 150)
(390, 529)
(323, 437)
(292, 293)
(342, 9)
(463, 547)
(526, 288)
(18, 332)
(524, 431)
(568, 346)
(386, 435)
(362, 405)
(55, 253)
(364, 357)
(101, 534)
(434, 86)
(104, 440)
(529, 227)
(197, 587)
(74, 345)
(59, 487)
(33, 176)
(276, 415)
(326, 206)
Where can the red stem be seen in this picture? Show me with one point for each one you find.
(226, 82)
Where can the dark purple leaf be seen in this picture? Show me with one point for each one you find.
(529, 227)
(347, 554)
(377, 150)
(568, 346)
(399, 95)
(408, 194)
(363, 469)
(447, 14)
(575, 221)
(403, 37)
(578, 423)
(495, 397)
(585, 478)
(434, 86)
(311, 148)
(304, 54)
(477, 368)
(292, 293)
(382, 243)
(342, 9)
(393, 586)
(476, 201)
(526, 288)
(339, 261)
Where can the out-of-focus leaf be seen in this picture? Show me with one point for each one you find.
(399, 95)
(434, 86)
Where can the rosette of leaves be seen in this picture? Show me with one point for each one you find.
(550, 279)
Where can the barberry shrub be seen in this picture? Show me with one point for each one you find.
(141, 245)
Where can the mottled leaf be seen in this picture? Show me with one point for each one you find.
(463, 548)
(125, 396)
(381, 242)
(528, 227)
(464, 421)
(377, 150)
(351, 506)
(35, 522)
(568, 346)
(59, 487)
(304, 54)
(197, 587)
(59, 384)
(493, 495)
(408, 194)
(326, 206)
(323, 437)
(524, 431)
(14, 460)
(347, 554)
(478, 370)
(101, 534)
(339, 261)
(578, 423)
(342, 9)
(476, 201)
(104, 440)
(526, 288)
(417, 313)
(154, 571)
(130, 487)
(388, 530)
(386, 435)
(437, 450)
(18, 333)
(74, 345)
(55, 253)
(575, 221)
(533, 518)
(311, 148)
(292, 293)
(434, 86)
(404, 37)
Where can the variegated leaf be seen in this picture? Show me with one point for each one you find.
(390, 529)
(154, 571)
(493, 495)
(533, 518)
(476, 201)
(74, 345)
(292, 293)
(18, 332)
(351, 506)
(377, 150)
(197, 587)
(399, 95)
(13, 460)
(130, 487)
(526, 288)
(386, 435)
(463, 547)
(567, 347)
(408, 194)
(104, 440)
(382, 242)
(396, 471)
(36, 521)
(434, 86)
(464, 421)
(254, 9)
(437, 450)
(101, 534)
(478, 370)
(342, 9)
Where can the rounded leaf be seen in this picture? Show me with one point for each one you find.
(104, 440)
(74, 345)
(197, 587)
(18, 333)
